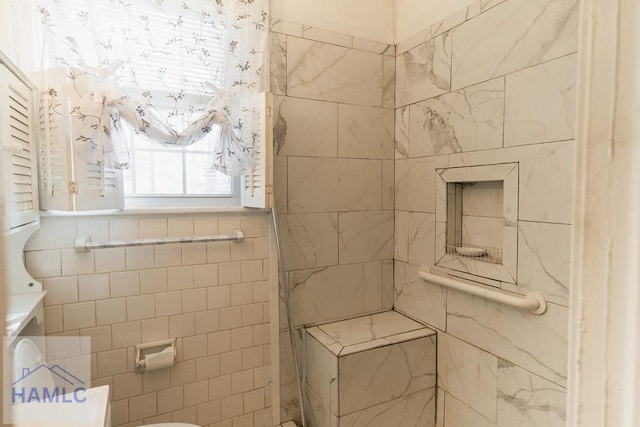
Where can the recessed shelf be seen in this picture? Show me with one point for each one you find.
(477, 220)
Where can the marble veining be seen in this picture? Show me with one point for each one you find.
(389, 81)
(466, 120)
(527, 399)
(488, 4)
(387, 284)
(321, 368)
(335, 292)
(277, 63)
(365, 236)
(388, 184)
(544, 258)
(414, 410)
(333, 73)
(458, 414)
(541, 103)
(515, 34)
(469, 374)
(317, 411)
(309, 240)
(287, 373)
(326, 36)
(546, 183)
(280, 183)
(331, 185)
(371, 327)
(305, 127)
(386, 373)
(415, 183)
(424, 301)
(424, 71)
(537, 343)
(420, 238)
(440, 27)
(401, 234)
(440, 397)
(483, 199)
(365, 132)
(373, 47)
(286, 27)
(401, 140)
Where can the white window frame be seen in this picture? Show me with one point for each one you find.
(146, 200)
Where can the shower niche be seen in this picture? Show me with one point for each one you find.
(477, 221)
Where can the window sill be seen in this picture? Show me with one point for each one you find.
(154, 211)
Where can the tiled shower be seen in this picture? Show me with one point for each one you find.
(493, 84)
(362, 132)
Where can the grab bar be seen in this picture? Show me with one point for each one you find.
(534, 302)
(84, 244)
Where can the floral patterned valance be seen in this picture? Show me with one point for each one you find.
(174, 70)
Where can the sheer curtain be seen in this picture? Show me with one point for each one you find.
(149, 63)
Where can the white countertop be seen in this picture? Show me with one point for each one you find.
(21, 308)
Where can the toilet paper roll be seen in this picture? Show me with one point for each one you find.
(161, 360)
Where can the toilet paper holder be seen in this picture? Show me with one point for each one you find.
(155, 355)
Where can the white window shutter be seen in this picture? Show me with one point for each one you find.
(19, 161)
(257, 186)
(55, 160)
(97, 187)
(66, 181)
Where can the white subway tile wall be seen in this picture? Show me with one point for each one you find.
(214, 298)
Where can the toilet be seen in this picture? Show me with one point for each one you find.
(29, 374)
(34, 388)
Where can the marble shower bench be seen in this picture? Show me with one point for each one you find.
(374, 370)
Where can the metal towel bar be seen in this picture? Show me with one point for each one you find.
(84, 244)
(532, 301)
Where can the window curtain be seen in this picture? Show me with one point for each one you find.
(174, 70)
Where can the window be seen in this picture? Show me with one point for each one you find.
(159, 171)
(173, 72)
(156, 170)
(158, 64)
(166, 176)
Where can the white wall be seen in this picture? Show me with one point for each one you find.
(412, 16)
(372, 20)
(19, 39)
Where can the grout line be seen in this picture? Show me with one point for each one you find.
(545, 222)
(504, 109)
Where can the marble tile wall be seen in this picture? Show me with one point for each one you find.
(334, 176)
(491, 84)
(212, 297)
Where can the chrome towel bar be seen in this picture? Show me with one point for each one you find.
(84, 244)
